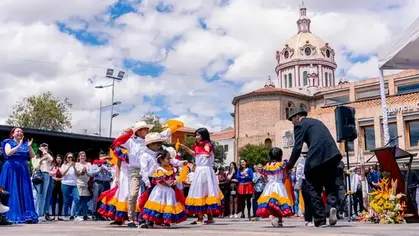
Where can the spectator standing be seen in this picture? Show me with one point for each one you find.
(42, 163)
(259, 181)
(102, 174)
(69, 185)
(83, 185)
(57, 193)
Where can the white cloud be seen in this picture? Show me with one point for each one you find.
(35, 56)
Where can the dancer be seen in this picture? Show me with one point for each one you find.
(204, 195)
(274, 201)
(115, 201)
(322, 161)
(154, 144)
(135, 147)
(305, 188)
(165, 204)
(15, 178)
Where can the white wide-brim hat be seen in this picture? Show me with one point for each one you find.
(171, 151)
(154, 137)
(141, 125)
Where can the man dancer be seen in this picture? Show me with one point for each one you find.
(321, 164)
(4, 199)
(135, 147)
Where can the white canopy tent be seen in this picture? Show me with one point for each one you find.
(402, 53)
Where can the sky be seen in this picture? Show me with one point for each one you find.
(184, 59)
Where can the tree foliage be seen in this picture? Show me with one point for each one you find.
(152, 119)
(220, 154)
(43, 111)
(189, 142)
(254, 154)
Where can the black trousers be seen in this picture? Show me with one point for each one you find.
(324, 177)
(306, 189)
(4, 198)
(358, 202)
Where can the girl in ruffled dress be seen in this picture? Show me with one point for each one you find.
(165, 204)
(204, 195)
(274, 201)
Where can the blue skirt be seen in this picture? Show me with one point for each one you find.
(15, 178)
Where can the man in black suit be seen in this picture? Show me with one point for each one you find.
(321, 165)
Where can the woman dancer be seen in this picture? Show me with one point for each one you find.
(204, 195)
(274, 202)
(15, 178)
(164, 206)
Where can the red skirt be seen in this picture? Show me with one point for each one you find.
(245, 189)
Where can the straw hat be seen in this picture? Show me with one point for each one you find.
(153, 137)
(141, 125)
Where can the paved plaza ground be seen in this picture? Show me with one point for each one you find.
(228, 227)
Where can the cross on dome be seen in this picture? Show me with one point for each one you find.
(269, 83)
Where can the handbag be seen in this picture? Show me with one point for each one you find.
(37, 177)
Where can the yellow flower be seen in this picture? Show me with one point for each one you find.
(386, 196)
(381, 202)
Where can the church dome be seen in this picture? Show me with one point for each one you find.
(306, 61)
(305, 45)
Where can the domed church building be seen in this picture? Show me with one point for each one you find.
(306, 78)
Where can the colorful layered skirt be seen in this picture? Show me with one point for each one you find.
(114, 202)
(204, 195)
(164, 205)
(274, 201)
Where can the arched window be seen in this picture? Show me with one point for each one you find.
(268, 143)
(303, 106)
(288, 109)
(305, 78)
(326, 79)
(290, 80)
(285, 80)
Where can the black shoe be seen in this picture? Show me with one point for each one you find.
(48, 217)
(166, 226)
(116, 223)
(132, 225)
(5, 222)
(145, 226)
(320, 223)
(72, 217)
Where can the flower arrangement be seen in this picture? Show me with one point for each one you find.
(386, 206)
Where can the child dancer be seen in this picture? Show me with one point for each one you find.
(204, 195)
(274, 201)
(165, 204)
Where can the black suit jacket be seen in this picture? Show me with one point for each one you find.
(321, 145)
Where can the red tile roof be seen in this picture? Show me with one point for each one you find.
(224, 134)
(187, 130)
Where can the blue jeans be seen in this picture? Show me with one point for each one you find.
(44, 193)
(297, 201)
(71, 194)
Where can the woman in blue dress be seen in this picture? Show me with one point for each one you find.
(15, 177)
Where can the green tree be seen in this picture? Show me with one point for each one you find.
(189, 142)
(220, 154)
(43, 111)
(152, 119)
(254, 154)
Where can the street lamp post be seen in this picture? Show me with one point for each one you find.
(120, 76)
(100, 112)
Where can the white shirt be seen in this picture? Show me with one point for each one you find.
(149, 164)
(70, 178)
(44, 166)
(135, 147)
